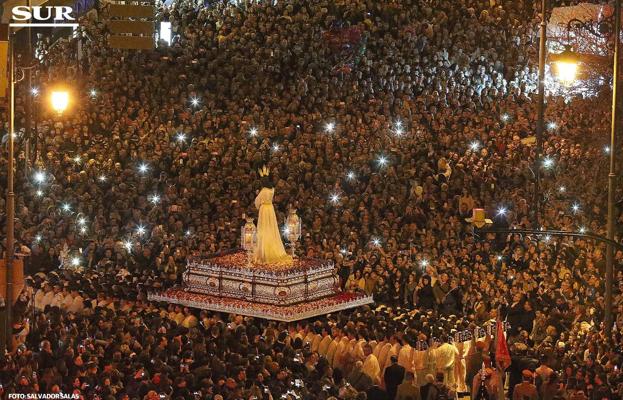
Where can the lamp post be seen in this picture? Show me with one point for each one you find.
(60, 101)
(540, 116)
(613, 171)
(567, 66)
(10, 206)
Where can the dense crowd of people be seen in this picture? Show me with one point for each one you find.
(384, 123)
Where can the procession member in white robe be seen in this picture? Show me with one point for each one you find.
(315, 343)
(371, 365)
(445, 357)
(77, 303)
(384, 354)
(40, 296)
(419, 366)
(405, 357)
(341, 354)
(309, 338)
(393, 351)
(332, 350)
(459, 366)
(377, 349)
(325, 342)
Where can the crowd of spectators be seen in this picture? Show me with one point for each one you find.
(384, 123)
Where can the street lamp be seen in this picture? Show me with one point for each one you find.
(566, 65)
(59, 100)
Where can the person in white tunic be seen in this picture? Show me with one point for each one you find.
(445, 357)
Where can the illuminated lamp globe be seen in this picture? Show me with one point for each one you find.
(566, 66)
(60, 100)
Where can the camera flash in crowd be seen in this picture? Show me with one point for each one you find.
(253, 132)
(329, 127)
(39, 177)
(575, 208)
